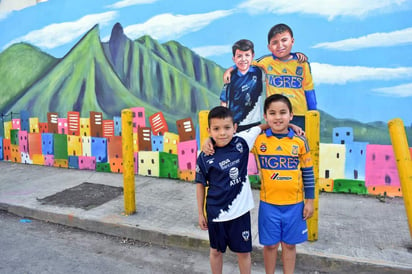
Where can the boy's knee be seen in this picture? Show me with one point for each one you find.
(288, 246)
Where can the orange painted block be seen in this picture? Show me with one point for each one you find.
(116, 165)
(35, 144)
(74, 145)
(38, 159)
(52, 122)
(43, 128)
(6, 149)
(15, 153)
(158, 124)
(170, 142)
(187, 175)
(114, 147)
(63, 163)
(326, 184)
(391, 191)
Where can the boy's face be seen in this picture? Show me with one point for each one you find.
(222, 130)
(281, 45)
(243, 60)
(278, 117)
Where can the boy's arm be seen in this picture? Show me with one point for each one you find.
(227, 74)
(311, 99)
(200, 196)
(302, 58)
(298, 130)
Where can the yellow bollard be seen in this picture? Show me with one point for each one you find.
(312, 129)
(128, 162)
(404, 164)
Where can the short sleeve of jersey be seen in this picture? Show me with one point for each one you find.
(305, 156)
(307, 80)
(200, 170)
(250, 135)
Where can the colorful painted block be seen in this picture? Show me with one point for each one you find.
(62, 163)
(342, 135)
(254, 181)
(49, 160)
(334, 167)
(7, 128)
(170, 141)
(23, 141)
(43, 127)
(15, 153)
(108, 128)
(14, 136)
(144, 140)
(73, 162)
(1, 149)
(103, 167)
(15, 123)
(87, 146)
(87, 162)
(202, 126)
(25, 158)
(139, 118)
(157, 142)
(73, 123)
(349, 186)
(326, 185)
(6, 149)
(355, 160)
(62, 126)
(34, 125)
(116, 165)
(114, 147)
(37, 159)
(185, 129)
(99, 149)
(96, 124)
(187, 154)
(24, 120)
(149, 163)
(252, 165)
(118, 126)
(158, 124)
(187, 175)
(84, 127)
(47, 144)
(60, 148)
(389, 191)
(136, 162)
(74, 145)
(168, 165)
(52, 122)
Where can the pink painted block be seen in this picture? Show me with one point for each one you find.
(62, 125)
(139, 118)
(187, 154)
(252, 166)
(49, 160)
(380, 168)
(23, 141)
(15, 123)
(87, 162)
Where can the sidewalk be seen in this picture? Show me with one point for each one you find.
(357, 234)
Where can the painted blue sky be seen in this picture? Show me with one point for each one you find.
(360, 51)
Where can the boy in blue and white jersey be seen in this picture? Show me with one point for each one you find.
(229, 198)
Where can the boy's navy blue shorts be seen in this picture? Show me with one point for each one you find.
(281, 223)
(235, 234)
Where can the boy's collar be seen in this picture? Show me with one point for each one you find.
(251, 69)
(290, 133)
(294, 57)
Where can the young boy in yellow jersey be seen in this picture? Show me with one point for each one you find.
(287, 185)
(286, 74)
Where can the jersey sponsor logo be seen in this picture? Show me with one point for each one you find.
(234, 176)
(278, 162)
(285, 81)
(277, 177)
(225, 164)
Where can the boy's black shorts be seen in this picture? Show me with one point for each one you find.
(235, 234)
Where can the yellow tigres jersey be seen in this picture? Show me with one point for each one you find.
(280, 162)
(289, 78)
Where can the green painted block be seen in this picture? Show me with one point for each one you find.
(168, 165)
(103, 167)
(14, 136)
(349, 186)
(60, 146)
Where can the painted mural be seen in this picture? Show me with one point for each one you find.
(66, 77)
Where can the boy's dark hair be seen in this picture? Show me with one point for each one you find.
(277, 98)
(243, 45)
(219, 112)
(279, 28)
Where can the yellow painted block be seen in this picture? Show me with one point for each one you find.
(149, 163)
(7, 127)
(63, 163)
(84, 127)
(326, 184)
(38, 159)
(74, 145)
(34, 124)
(187, 175)
(170, 141)
(135, 142)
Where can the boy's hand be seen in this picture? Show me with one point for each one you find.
(207, 147)
(202, 222)
(298, 130)
(308, 209)
(302, 58)
(227, 75)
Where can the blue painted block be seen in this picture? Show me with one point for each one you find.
(47, 147)
(1, 149)
(25, 120)
(99, 149)
(117, 125)
(157, 142)
(355, 162)
(74, 162)
(342, 135)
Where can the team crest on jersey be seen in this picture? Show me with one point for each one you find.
(239, 147)
(246, 235)
(299, 71)
(295, 150)
(263, 147)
